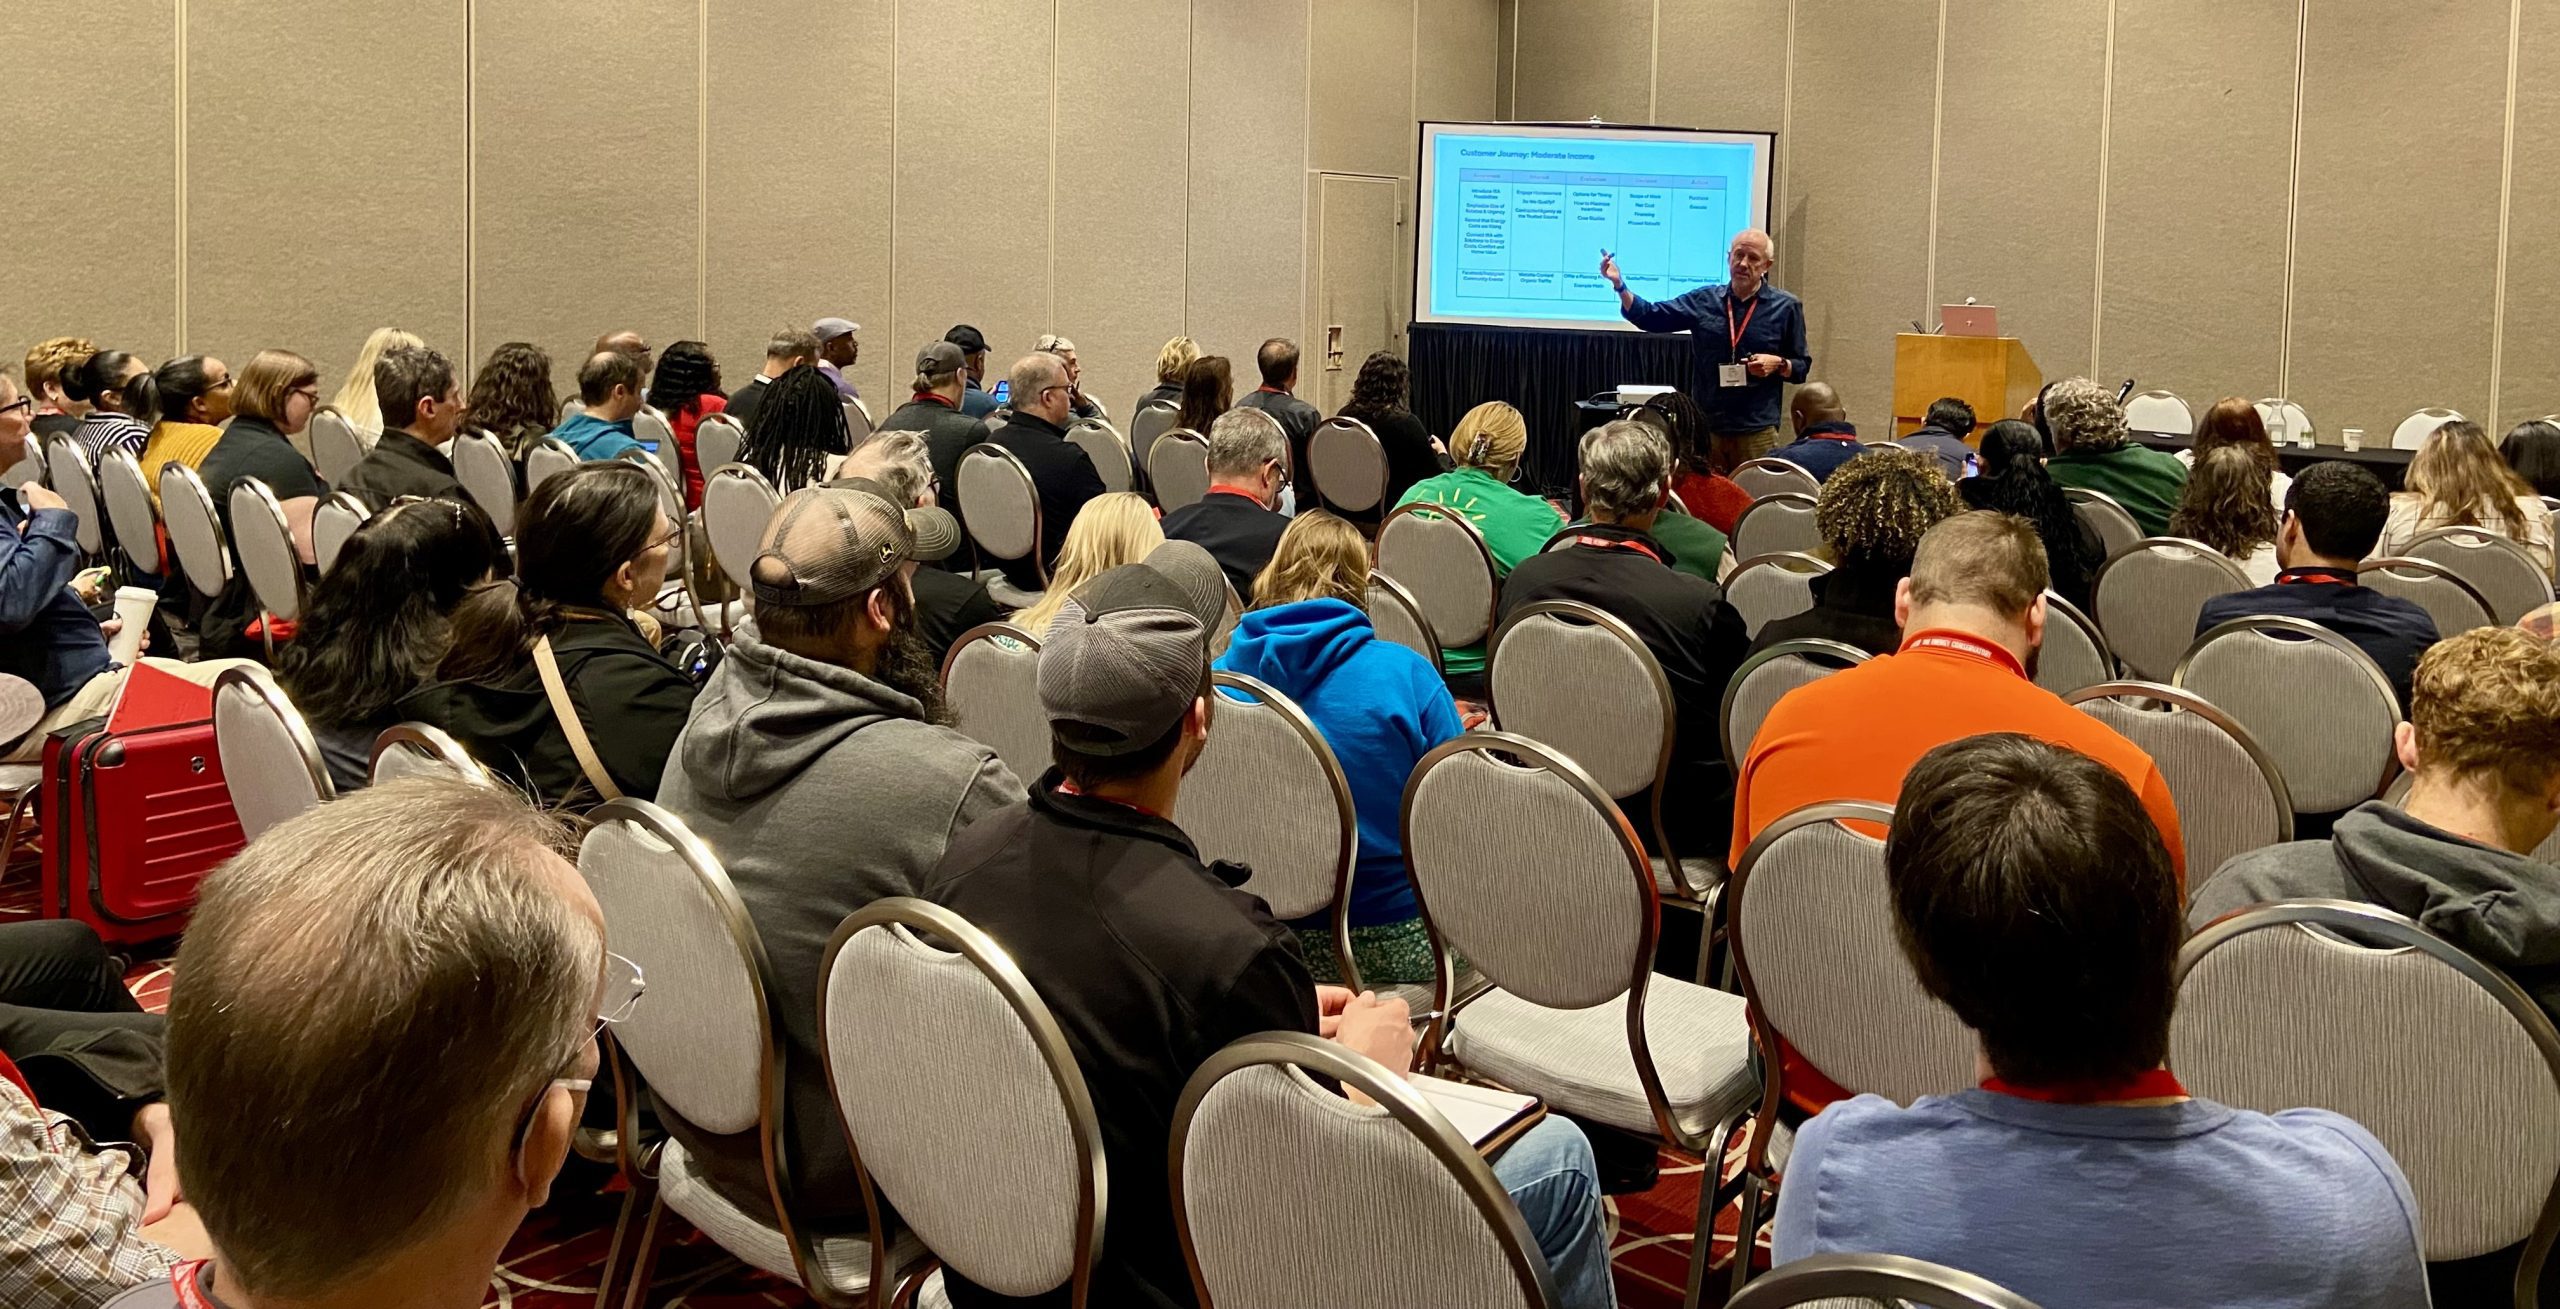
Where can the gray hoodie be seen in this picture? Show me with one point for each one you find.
(2500, 906)
(820, 790)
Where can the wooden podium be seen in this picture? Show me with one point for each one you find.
(1991, 373)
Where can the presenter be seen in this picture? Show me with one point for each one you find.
(1750, 343)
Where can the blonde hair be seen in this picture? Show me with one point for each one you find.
(1112, 529)
(1492, 437)
(2488, 700)
(355, 400)
(1320, 557)
(262, 386)
(1175, 358)
(2462, 481)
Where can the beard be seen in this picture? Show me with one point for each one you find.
(906, 664)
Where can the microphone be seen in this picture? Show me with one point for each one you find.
(2124, 391)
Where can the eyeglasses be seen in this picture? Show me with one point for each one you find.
(311, 393)
(25, 402)
(668, 539)
(623, 986)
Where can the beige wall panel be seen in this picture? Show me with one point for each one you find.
(1123, 153)
(2018, 171)
(1854, 238)
(1248, 183)
(2198, 169)
(1583, 57)
(973, 217)
(375, 204)
(91, 216)
(2529, 386)
(1724, 64)
(2390, 179)
(586, 196)
(1363, 78)
(1504, 41)
(1456, 58)
(800, 184)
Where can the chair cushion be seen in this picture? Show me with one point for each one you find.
(1006, 594)
(1701, 876)
(844, 1261)
(1578, 1060)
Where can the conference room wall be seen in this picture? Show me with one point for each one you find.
(2122, 177)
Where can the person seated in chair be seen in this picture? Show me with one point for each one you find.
(1062, 474)
(1942, 435)
(609, 396)
(421, 399)
(2095, 451)
(1238, 522)
(1825, 438)
(1871, 514)
(898, 467)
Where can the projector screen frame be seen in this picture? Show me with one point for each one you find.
(1424, 188)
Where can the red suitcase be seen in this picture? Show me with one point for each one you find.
(132, 820)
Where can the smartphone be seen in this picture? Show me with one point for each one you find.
(650, 446)
(1003, 391)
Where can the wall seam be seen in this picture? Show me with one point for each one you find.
(702, 169)
(178, 201)
(1786, 120)
(1049, 317)
(1308, 209)
(2293, 199)
(471, 178)
(1653, 69)
(1937, 133)
(1190, 142)
(2506, 198)
(2106, 140)
(1516, 17)
(890, 280)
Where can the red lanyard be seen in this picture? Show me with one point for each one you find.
(17, 1079)
(1613, 543)
(182, 1279)
(1733, 332)
(1963, 643)
(2155, 1084)
(2314, 577)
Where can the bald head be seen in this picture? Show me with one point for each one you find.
(1816, 403)
(628, 343)
(1040, 387)
(1748, 260)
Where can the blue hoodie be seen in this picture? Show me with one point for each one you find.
(594, 438)
(1378, 705)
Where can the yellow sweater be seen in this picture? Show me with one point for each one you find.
(186, 443)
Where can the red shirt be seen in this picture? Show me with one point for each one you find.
(1714, 500)
(684, 421)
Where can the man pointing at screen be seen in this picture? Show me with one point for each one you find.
(1750, 343)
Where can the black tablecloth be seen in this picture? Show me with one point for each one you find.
(1545, 373)
(2388, 464)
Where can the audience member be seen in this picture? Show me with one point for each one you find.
(1871, 514)
(1825, 438)
(2458, 479)
(114, 384)
(2234, 420)
(975, 401)
(1485, 452)
(548, 671)
(1238, 521)
(422, 408)
(897, 467)
(934, 410)
(58, 412)
(2532, 449)
(1208, 390)
(1113, 529)
(1172, 362)
(838, 348)
(1414, 455)
(1277, 361)
(1701, 487)
(1079, 405)
(356, 400)
(512, 399)
(2094, 451)
(191, 398)
(2034, 898)
(2013, 480)
(270, 405)
(789, 349)
(1062, 474)
(2333, 517)
(1616, 566)
(685, 388)
(379, 622)
(832, 698)
(1152, 961)
(798, 431)
(380, 1040)
(1380, 707)
(1942, 434)
(633, 344)
(2224, 504)
(609, 396)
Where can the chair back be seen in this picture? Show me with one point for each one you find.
(264, 546)
(1524, 865)
(651, 428)
(195, 532)
(1779, 523)
(75, 479)
(2318, 706)
(2414, 430)
(1178, 465)
(28, 469)
(1765, 678)
(488, 477)
(1576, 679)
(2503, 572)
(1348, 465)
(332, 524)
(129, 510)
(1002, 505)
(423, 750)
(2160, 411)
(1764, 588)
(717, 439)
(2100, 513)
(2075, 652)
(2352, 1008)
(1268, 793)
(670, 496)
(1152, 419)
(737, 503)
(1101, 443)
(1397, 617)
(962, 1099)
(569, 407)
(2230, 796)
(991, 678)
(1281, 1188)
(1814, 945)
(336, 448)
(1766, 477)
(269, 760)
(2148, 595)
(544, 457)
(857, 422)
(2286, 422)
(1869, 1278)
(2456, 605)
(1441, 558)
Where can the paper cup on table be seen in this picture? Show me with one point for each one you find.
(133, 605)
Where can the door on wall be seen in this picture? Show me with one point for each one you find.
(1360, 243)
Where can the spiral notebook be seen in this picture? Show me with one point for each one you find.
(1489, 1118)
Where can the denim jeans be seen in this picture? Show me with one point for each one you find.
(1551, 1177)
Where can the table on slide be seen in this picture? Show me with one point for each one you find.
(1538, 234)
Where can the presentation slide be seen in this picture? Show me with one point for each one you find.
(1514, 218)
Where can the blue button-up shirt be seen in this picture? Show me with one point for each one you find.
(1771, 324)
(46, 635)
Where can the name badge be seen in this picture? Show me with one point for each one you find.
(1732, 375)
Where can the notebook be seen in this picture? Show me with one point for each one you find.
(1487, 1117)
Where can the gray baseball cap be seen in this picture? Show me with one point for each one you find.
(939, 357)
(1124, 659)
(828, 329)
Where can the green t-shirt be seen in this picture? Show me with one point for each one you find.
(1515, 525)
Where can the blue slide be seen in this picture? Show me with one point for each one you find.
(1514, 223)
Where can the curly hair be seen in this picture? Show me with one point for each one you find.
(2084, 416)
(1686, 424)
(512, 399)
(50, 358)
(1380, 386)
(1874, 509)
(685, 372)
(1320, 557)
(2225, 503)
(2489, 700)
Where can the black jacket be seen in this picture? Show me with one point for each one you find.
(2391, 630)
(1062, 473)
(1151, 962)
(249, 448)
(1169, 392)
(1297, 419)
(402, 464)
(1236, 531)
(632, 702)
(947, 605)
(743, 401)
(1850, 604)
(947, 434)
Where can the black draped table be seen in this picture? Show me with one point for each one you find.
(1543, 372)
(2384, 462)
